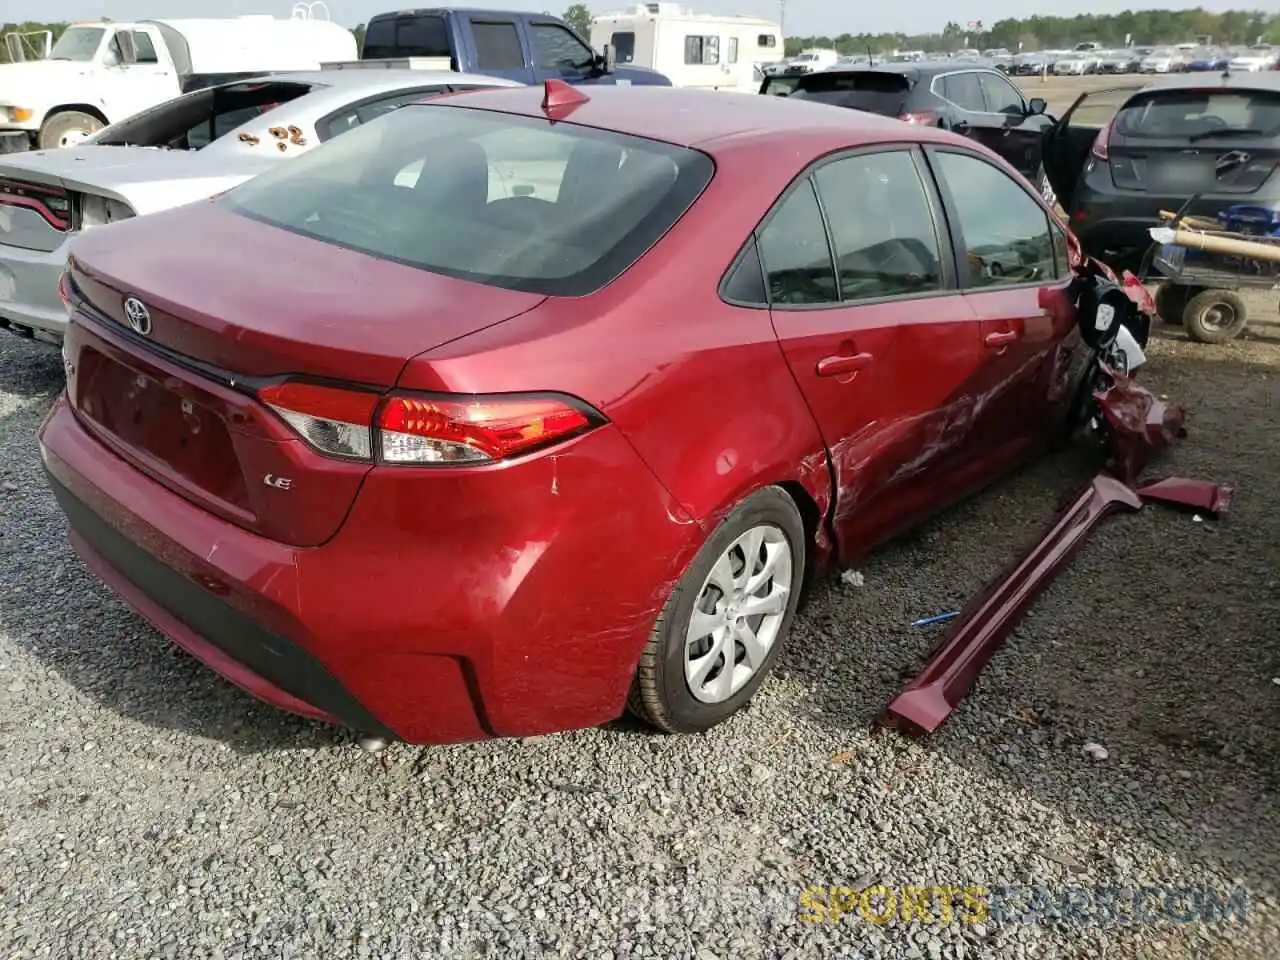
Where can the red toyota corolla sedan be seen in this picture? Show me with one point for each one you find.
(498, 415)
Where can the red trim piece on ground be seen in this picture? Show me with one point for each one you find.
(1211, 498)
(924, 703)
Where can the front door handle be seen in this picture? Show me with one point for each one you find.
(1000, 340)
(960, 126)
(843, 363)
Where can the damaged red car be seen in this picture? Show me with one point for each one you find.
(511, 410)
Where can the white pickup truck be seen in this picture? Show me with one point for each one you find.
(98, 73)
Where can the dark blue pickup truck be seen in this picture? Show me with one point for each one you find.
(528, 47)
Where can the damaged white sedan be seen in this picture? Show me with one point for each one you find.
(186, 150)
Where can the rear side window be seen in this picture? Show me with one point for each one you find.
(871, 91)
(881, 226)
(797, 258)
(1177, 115)
(408, 36)
(965, 91)
(497, 45)
(502, 200)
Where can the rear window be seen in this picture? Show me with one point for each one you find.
(413, 35)
(503, 200)
(1181, 114)
(874, 92)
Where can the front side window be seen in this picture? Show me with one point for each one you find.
(882, 227)
(497, 45)
(797, 258)
(555, 48)
(703, 50)
(144, 50)
(1004, 234)
(484, 196)
(1000, 95)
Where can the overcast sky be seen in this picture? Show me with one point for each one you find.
(803, 17)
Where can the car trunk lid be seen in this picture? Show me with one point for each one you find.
(175, 392)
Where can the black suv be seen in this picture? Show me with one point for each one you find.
(976, 101)
(1212, 138)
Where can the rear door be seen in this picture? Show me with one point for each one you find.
(1011, 261)
(498, 47)
(1180, 142)
(862, 300)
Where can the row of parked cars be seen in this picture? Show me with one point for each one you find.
(481, 409)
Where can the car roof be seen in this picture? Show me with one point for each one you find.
(1262, 80)
(916, 69)
(699, 118)
(377, 80)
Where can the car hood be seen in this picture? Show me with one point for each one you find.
(146, 178)
(18, 81)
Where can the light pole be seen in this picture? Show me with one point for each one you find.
(782, 20)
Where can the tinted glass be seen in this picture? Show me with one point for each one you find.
(1182, 114)
(746, 283)
(881, 226)
(964, 91)
(1004, 232)
(872, 91)
(508, 201)
(497, 46)
(144, 49)
(797, 260)
(555, 48)
(624, 46)
(362, 113)
(411, 36)
(1000, 95)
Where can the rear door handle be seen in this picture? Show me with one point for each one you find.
(1002, 339)
(843, 363)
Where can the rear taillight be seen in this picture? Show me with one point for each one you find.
(1101, 142)
(50, 203)
(420, 429)
(924, 118)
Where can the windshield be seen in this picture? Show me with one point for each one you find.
(489, 197)
(78, 43)
(874, 92)
(1179, 115)
(1160, 53)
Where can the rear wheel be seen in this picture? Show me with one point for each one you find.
(66, 128)
(724, 625)
(1215, 316)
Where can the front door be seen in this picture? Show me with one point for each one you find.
(1012, 263)
(129, 88)
(1014, 131)
(884, 351)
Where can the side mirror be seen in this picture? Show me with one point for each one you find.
(1037, 106)
(124, 41)
(609, 60)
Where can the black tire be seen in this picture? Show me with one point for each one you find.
(61, 124)
(1171, 301)
(660, 693)
(1215, 316)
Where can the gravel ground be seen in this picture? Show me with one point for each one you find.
(151, 809)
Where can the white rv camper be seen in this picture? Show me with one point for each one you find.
(694, 50)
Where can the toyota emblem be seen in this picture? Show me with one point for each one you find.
(139, 317)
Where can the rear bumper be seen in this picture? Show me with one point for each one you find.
(29, 301)
(504, 616)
